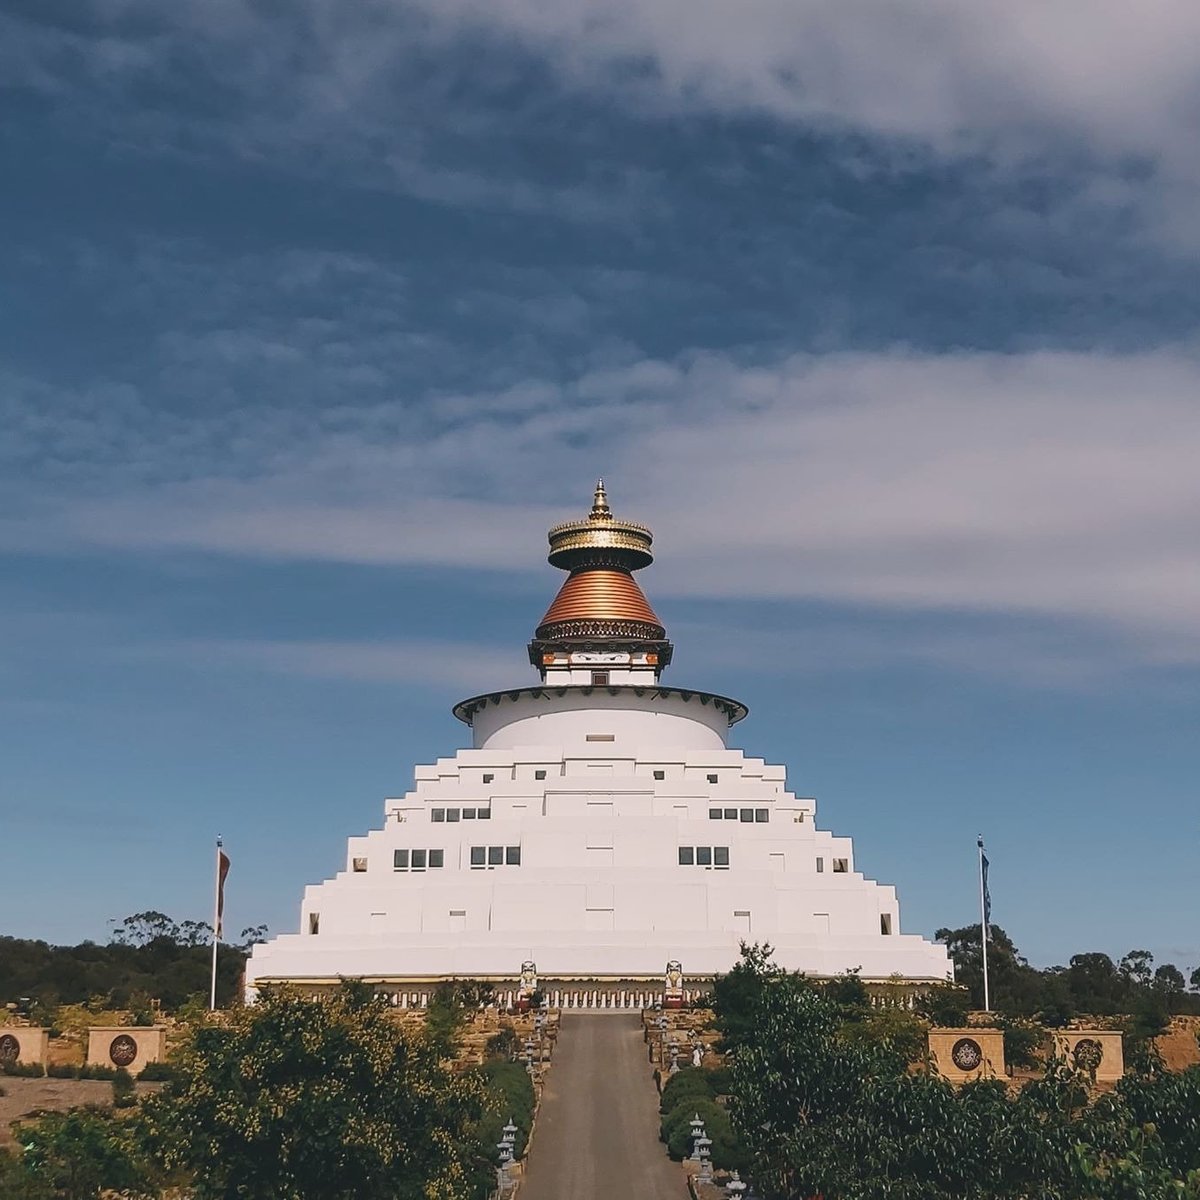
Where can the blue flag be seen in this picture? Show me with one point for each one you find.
(987, 895)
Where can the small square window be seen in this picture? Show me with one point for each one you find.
(359, 864)
(488, 777)
(437, 858)
(714, 814)
(468, 814)
(704, 856)
(438, 814)
(687, 856)
(712, 779)
(400, 860)
(720, 856)
(747, 816)
(512, 856)
(495, 856)
(841, 865)
(820, 865)
(478, 856)
(452, 814)
(599, 679)
(484, 814)
(539, 774)
(731, 814)
(762, 816)
(660, 774)
(418, 860)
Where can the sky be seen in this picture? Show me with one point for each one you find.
(314, 316)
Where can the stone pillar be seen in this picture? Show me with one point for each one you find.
(23, 1044)
(128, 1046)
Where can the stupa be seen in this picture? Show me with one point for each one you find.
(599, 828)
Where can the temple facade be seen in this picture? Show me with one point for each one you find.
(599, 827)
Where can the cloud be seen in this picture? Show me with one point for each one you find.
(1051, 485)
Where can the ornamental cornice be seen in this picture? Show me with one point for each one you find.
(732, 710)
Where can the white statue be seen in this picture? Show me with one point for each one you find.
(529, 980)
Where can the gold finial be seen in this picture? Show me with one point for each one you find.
(600, 510)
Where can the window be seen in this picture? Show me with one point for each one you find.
(820, 865)
(600, 737)
(762, 816)
(731, 814)
(495, 856)
(417, 860)
(400, 860)
(478, 856)
(437, 814)
(484, 814)
(708, 857)
(468, 814)
(539, 774)
(599, 679)
(359, 864)
(720, 856)
(885, 924)
(660, 774)
(714, 814)
(452, 814)
(747, 816)
(512, 856)
(704, 856)
(488, 777)
(436, 858)
(712, 779)
(314, 922)
(687, 856)
(841, 866)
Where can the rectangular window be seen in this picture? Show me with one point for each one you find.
(687, 856)
(539, 774)
(400, 860)
(762, 815)
(720, 856)
(437, 858)
(512, 856)
(314, 922)
(484, 814)
(468, 814)
(452, 814)
(418, 860)
(478, 856)
(600, 737)
(820, 865)
(885, 924)
(714, 814)
(731, 814)
(495, 856)
(660, 774)
(704, 856)
(712, 779)
(437, 814)
(746, 816)
(360, 864)
(599, 679)
(841, 865)
(488, 777)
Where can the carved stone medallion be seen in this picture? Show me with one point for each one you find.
(1088, 1054)
(966, 1054)
(122, 1050)
(10, 1049)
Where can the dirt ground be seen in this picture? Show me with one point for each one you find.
(1178, 1045)
(24, 1096)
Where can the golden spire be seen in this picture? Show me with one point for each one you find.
(600, 510)
(600, 540)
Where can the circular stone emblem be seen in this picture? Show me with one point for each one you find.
(966, 1054)
(10, 1049)
(123, 1050)
(1088, 1054)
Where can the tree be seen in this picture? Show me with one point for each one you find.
(1194, 980)
(1136, 965)
(78, 1155)
(1168, 980)
(317, 1099)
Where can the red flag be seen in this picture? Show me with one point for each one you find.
(222, 871)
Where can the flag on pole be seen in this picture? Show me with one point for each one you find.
(222, 871)
(987, 895)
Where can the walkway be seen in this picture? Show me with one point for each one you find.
(597, 1131)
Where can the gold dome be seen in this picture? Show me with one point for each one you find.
(600, 539)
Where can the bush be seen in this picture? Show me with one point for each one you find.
(96, 1071)
(157, 1072)
(691, 1081)
(510, 1095)
(1022, 1043)
(676, 1131)
(502, 1045)
(23, 1070)
(123, 1092)
(62, 1071)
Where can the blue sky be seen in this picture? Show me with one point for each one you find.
(883, 317)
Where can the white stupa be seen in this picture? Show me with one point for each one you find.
(600, 826)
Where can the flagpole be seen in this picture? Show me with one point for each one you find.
(216, 926)
(983, 927)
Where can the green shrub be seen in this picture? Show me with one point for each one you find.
(690, 1081)
(62, 1071)
(23, 1070)
(96, 1071)
(1022, 1042)
(676, 1131)
(157, 1072)
(510, 1095)
(501, 1045)
(124, 1095)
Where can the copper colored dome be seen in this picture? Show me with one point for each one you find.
(600, 596)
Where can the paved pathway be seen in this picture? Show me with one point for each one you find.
(597, 1131)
